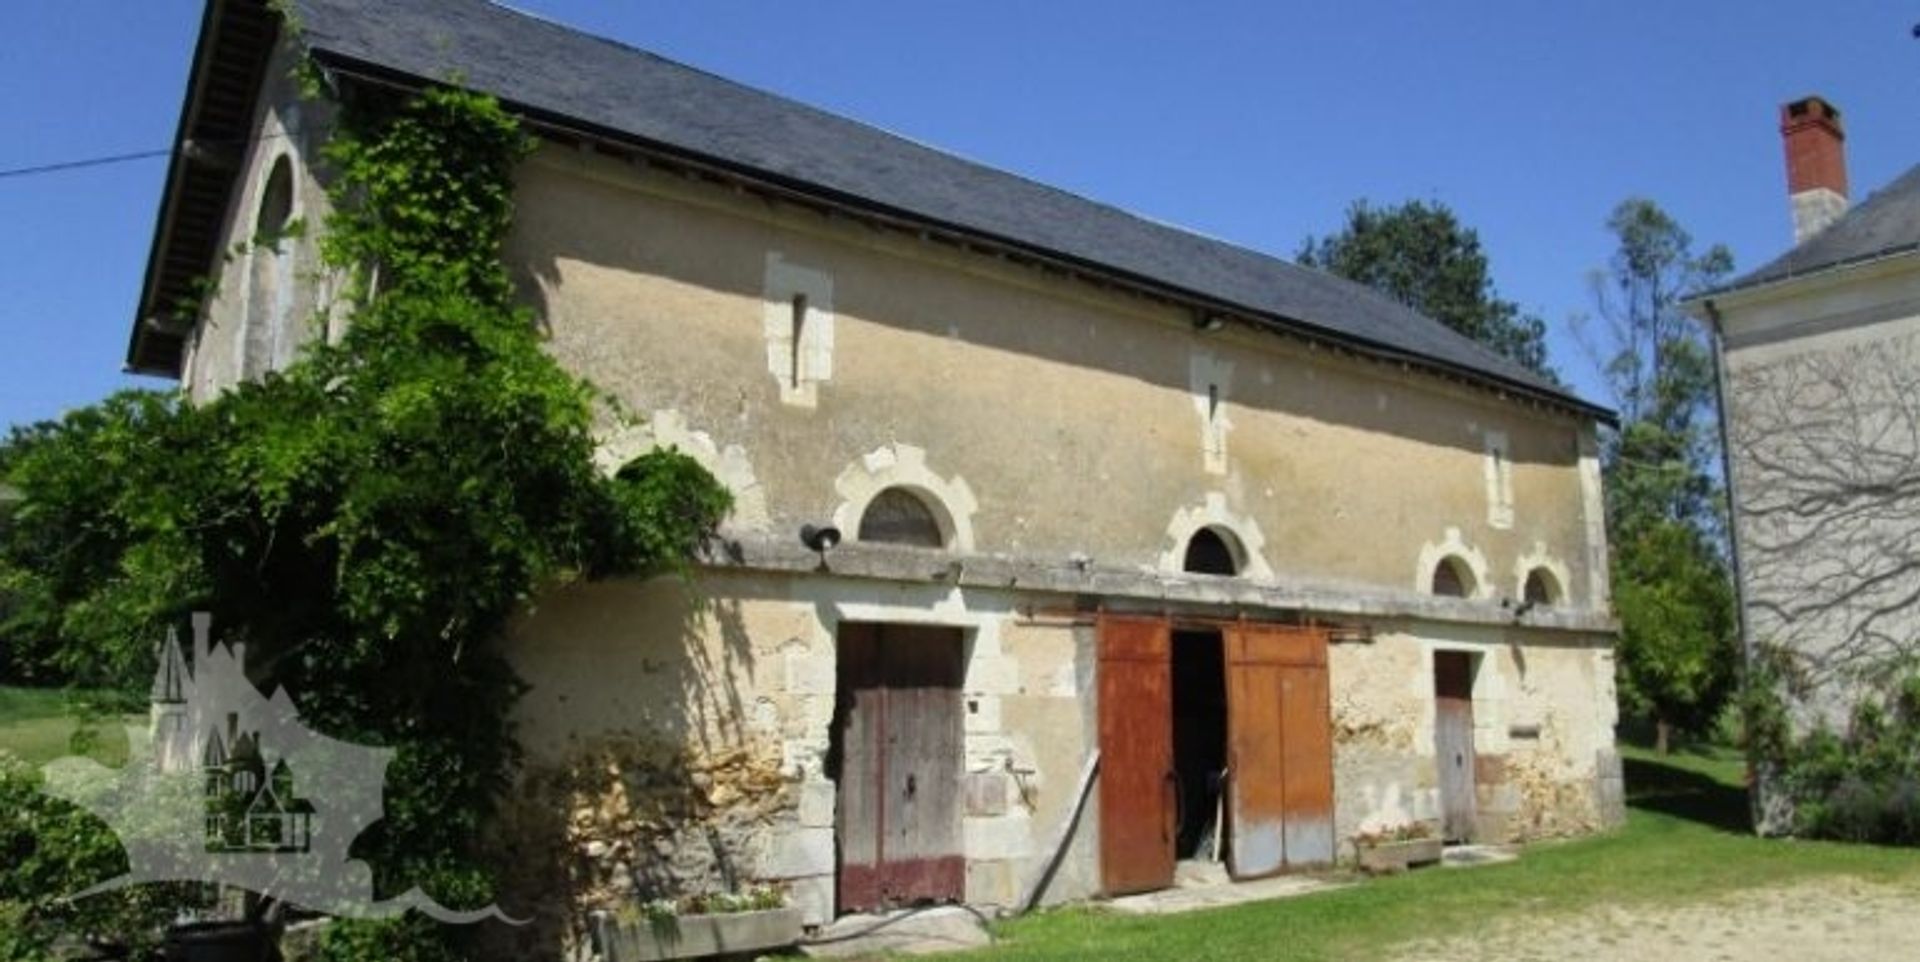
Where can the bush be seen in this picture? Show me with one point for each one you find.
(1861, 786)
(410, 938)
(52, 849)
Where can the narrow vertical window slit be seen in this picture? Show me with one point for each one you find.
(799, 332)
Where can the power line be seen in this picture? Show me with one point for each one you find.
(103, 161)
(88, 162)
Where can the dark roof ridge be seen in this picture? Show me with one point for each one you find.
(913, 139)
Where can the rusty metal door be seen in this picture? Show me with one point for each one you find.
(898, 740)
(1137, 782)
(1279, 750)
(1453, 741)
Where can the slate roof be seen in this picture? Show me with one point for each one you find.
(1886, 223)
(572, 79)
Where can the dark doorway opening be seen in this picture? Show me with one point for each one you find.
(1199, 741)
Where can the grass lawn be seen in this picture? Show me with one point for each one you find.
(38, 725)
(1685, 840)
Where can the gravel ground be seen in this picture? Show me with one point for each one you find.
(1841, 919)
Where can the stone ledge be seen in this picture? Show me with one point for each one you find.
(1144, 589)
(696, 936)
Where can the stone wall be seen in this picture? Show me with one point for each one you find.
(676, 733)
(1543, 710)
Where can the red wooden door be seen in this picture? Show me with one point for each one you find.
(1306, 724)
(899, 741)
(1453, 742)
(1279, 750)
(1136, 754)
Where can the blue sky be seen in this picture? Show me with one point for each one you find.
(1254, 122)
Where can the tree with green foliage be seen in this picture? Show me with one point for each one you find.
(366, 520)
(1420, 254)
(1678, 653)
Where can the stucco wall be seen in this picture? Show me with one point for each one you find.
(1075, 418)
(1823, 411)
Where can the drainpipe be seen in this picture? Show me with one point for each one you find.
(1717, 332)
(1726, 471)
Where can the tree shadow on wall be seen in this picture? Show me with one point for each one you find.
(665, 796)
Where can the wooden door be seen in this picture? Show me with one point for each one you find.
(899, 731)
(1279, 750)
(1453, 742)
(1137, 780)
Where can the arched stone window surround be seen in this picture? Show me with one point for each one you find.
(1538, 560)
(904, 466)
(1241, 533)
(1452, 546)
(668, 429)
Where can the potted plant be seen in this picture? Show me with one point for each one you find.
(721, 923)
(1397, 848)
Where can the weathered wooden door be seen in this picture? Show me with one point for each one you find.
(1279, 750)
(899, 742)
(1137, 782)
(1453, 741)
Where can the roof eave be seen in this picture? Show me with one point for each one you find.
(151, 347)
(137, 361)
(1754, 287)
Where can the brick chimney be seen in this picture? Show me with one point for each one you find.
(1816, 164)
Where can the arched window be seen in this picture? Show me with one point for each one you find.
(1452, 578)
(270, 296)
(1210, 553)
(276, 201)
(898, 516)
(1542, 588)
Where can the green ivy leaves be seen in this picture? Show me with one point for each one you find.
(368, 519)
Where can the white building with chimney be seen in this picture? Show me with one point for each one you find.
(1820, 375)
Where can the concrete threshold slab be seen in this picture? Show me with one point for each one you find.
(1196, 897)
(1474, 856)
(922, 931)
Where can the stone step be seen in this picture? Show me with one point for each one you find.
(921, 931)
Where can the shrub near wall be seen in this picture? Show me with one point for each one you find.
(1861, 785)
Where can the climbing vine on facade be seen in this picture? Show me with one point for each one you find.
(367, 519)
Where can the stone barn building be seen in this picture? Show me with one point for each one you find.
(1067, 546)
